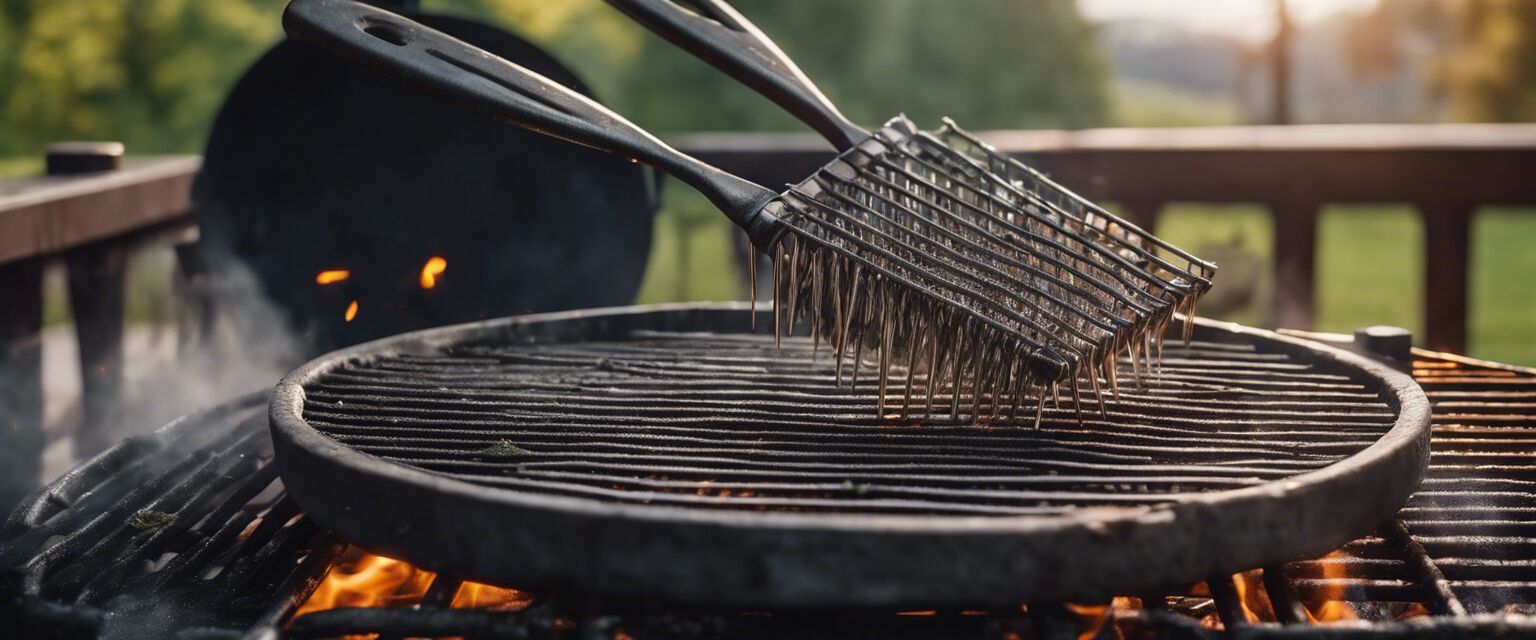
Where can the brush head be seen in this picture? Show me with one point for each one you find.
(948, 263)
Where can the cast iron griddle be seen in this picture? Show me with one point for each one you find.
(667, 453)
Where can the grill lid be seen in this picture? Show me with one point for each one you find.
(666, 452)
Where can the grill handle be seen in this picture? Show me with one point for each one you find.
(468, 76)
(718, 34)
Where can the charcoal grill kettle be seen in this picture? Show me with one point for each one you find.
(311, 166)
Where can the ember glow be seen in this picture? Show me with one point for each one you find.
(332, 276)
(434, 267)
(351, 311)
(364, 580)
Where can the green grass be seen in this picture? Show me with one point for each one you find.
(692, 256)
(1370, 268)
(1503, 304)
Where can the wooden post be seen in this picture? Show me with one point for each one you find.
(1447, 255)
(96, 297)
(1295, 264)
(21, 379)
(1142, 214)
(194, 299)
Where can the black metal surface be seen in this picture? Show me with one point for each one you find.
(721, 471)
(313, 166)
(1373, 573)
(181, 533)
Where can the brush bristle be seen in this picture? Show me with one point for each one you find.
(918, 260)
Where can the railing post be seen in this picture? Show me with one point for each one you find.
(96, 297)
(195, 308)
(1447, 255)
(1295, 264)
(21, 379)
(1141, 213)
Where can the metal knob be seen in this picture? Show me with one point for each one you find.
(1393, 343)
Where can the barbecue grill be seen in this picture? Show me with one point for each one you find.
(239, 555)
(668, 453)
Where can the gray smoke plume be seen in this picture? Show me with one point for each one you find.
(247, 345)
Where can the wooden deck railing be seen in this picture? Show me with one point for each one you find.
(90, 220)
(88, 212)
(1445, 171)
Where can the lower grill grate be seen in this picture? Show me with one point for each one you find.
(732, 421)
(1476, 513)
(1466, 541)
(186, 531)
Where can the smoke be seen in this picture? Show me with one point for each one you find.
(240, 343)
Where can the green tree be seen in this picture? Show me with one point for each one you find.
(152, 72)
(987, 63)
(1488, 73)
(148, 72)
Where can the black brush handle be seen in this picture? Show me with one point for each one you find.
(468, 76)
(716, 33)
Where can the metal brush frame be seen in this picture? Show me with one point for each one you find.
(823, 561)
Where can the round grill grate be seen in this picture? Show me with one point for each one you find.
(600, 438)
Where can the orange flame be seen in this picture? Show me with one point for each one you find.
(434, 267)
(351, 311)
(1252, 596)
(366, 580)
(332, 276)
(1333, 607)
(362, 579)
(1092, 616)
(474, 595)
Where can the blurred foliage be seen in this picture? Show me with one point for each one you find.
(152, 73)
(1488, 73)
(1484, 67)
(987, 63)
(147, 72)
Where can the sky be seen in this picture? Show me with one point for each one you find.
(1252, 20)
